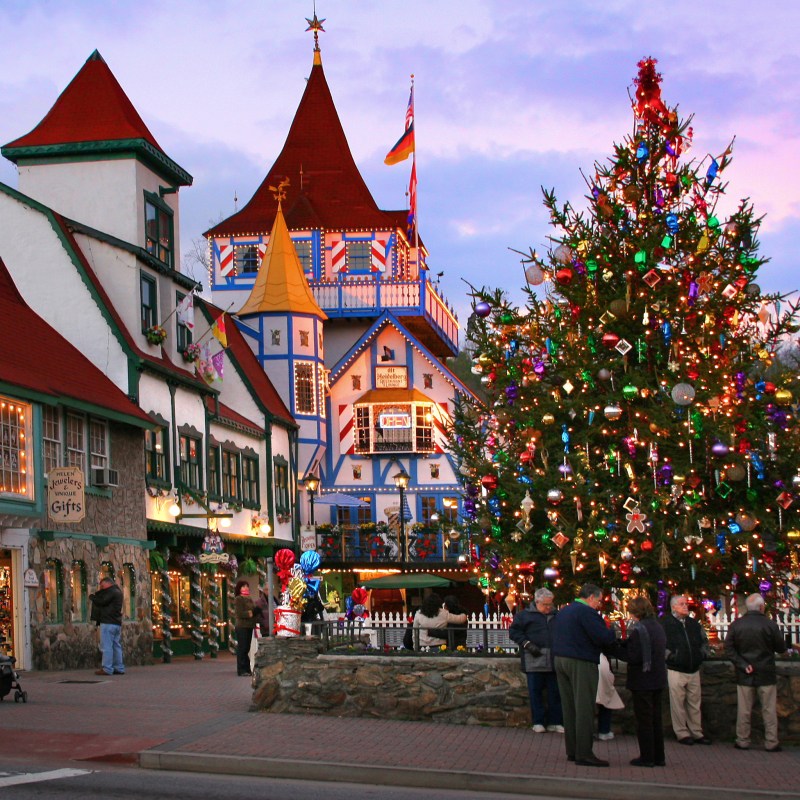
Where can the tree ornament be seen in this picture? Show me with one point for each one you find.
(483, 310)
(612, 412)
(636, 520)
(682, 394)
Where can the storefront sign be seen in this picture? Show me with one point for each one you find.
(66, 501)
(394, 419)
(391, 377)
(29, 579)
(213, 550)
(308, 538)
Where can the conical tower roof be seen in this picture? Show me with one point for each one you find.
(93, 115)
(281, 285)
(327, 190)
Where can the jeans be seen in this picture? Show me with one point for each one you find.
(111, 645)
(539, 682)
(649, 728)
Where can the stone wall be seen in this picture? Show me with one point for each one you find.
(294, 676)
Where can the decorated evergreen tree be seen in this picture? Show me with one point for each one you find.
(639, 431)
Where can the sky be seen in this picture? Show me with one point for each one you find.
(510, 96)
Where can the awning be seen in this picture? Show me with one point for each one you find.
(411, 580)
(393, 396)
(339, 499)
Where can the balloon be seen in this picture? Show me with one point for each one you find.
(310, 561)
(284, 559)
(359, 595)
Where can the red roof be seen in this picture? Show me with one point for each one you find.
(331, 193)
(255, 374)
(93, 108)
(41, 360)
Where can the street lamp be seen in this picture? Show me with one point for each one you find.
(401, 482)
(312, 484)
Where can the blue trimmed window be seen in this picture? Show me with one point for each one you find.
(359, 257)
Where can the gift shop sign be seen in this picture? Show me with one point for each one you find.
(391, 377)
(308, 538)
(66, 499)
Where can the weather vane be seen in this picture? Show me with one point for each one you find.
(316, 26)
(279, 193)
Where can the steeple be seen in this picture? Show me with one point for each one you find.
(280, 284)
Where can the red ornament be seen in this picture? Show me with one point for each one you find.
(610, 340)
(647, 545)
(564, 276)
(489, 482)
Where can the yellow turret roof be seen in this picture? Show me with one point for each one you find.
(281, 285)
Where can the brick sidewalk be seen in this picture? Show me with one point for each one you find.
(200, 709)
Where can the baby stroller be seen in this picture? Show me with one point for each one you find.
(9, 680)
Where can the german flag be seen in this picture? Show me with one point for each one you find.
(402, 149)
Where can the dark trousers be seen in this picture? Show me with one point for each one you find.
(244, 638)
(577, 683)
(603, 719)
(538, 684)
(649, 727)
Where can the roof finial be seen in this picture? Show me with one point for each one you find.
(279, 193)
(315, 25)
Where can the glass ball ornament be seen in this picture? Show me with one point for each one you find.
(562, 254)
(612, 412)
(489, 482)
(783, 397)
(548, 419)
(746, 521)
(637, 570)
(683, 394)
(629, 391)
(550, 573)
(719, 449)
(554, 496)
(483, 310)
(534, 274)
(619, 308)
(626, 554)
(564, 276)
(735, 472)
(610, 339)
(647, 545)
(604, 374)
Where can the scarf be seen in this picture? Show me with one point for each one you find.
(644, 635)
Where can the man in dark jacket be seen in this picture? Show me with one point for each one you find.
(751, 644)
(107, 613)
(532, 631)
(687, 646)
(579, 636)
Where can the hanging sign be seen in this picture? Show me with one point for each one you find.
(66, 501)
(308, 538)
(212, 550)
(29, 579)
(391, 377)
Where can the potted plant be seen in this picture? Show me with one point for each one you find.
(156, 334)
(191, 353)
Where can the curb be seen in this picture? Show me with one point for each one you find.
(532, 785)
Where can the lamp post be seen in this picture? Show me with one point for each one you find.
(312, 484)
(401, 482)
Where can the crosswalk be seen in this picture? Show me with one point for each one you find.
(16, 779)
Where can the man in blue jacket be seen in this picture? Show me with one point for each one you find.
(579, 636)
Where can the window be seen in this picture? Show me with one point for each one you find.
(450, 509)
(428, 508)
(304, 255)
(98, 443)
(245, 259)
(15, 478)
(52, 449)
(394, 428)
(158, 229)
(155, 454)
(214, 485)
(281, 481)
(52, 581)
(250, 480)
(76, 442)
(149, 301)
(359, 256)
(184, 333)
(77, 583)
(128, 591)
(190, 449)
(230, 475)
(304, 394)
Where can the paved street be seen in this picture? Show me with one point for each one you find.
(194, 716)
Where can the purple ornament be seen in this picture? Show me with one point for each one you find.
(719, 449)
(483, 310)
(512, 392)
(539, 368)
(764, 586)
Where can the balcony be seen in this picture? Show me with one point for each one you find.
(370, 544)
(416, 302)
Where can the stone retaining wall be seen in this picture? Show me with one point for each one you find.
(294, 676)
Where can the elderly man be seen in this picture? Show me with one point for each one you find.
(532, 631)
(579, 636)
(751, 644)
(687, 646)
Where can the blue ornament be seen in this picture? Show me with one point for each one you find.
(565, 438)
(666, 332)
(310, 561)
(721, 542)
(672, 222)
(713, 169)
(642, 151)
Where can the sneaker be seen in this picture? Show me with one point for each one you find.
(605, 737)
(555, 729)
(539, 729)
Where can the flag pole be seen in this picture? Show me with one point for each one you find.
(414, 170)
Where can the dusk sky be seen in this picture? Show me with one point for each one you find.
(510, 96)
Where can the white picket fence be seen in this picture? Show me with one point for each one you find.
(788, 622)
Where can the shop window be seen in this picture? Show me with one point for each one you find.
(450, 509)
(98, 443)
(230, 476)
(250, 496)
(214, 482)
(128, 581)
(53, 584)
(190, 449)
(280, 471)
(424, 429)
(77, 585)
(158, 228)
(155, 454)
(52, 446)
(394, 428)
(245, 259)
(304, 394)
(16, 477)
(427, 508)
(183, 331)
(149, 301)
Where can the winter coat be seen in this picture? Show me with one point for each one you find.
(633, 650)
(244, 609)
(687, 643)
(579, 632)
(754, 639)
(107, 605)
(532, 626)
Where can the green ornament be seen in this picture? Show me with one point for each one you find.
(640, 257)
(655, 504)
(713, 222)
(591, 266)
(723, 489)
(629, 391)
(506, 318)
(686, 180)
(600, 533)
(752, 496)
(545, 537)
(666, 241)
(592, 342)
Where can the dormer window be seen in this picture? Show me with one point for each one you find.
(158, 228)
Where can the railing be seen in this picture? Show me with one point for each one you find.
(350, 543)
(788, 622)
(386, 631)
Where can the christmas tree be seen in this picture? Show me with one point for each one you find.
(639, 430)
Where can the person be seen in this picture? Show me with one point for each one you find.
(244, 610)
(645, 650)
(607, 699)
(107, 613)
(455, 635)
(687, 647)
(262, 604)
(751, 644)
(431, 615)
(579, 636)
(532, 631)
